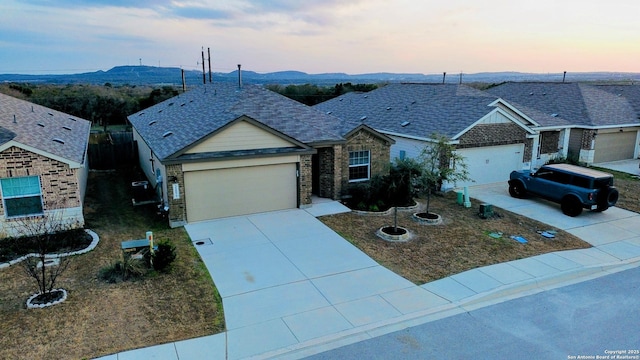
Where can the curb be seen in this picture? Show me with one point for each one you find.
(492, 297)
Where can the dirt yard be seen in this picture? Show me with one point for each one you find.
(460, 243)
(100, 318)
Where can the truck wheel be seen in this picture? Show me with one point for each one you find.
(571, 206)
(517, 190)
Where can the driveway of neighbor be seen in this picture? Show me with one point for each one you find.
(630, 166)
(285, 278)
(614, 227)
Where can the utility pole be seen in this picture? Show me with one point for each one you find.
(184, 84)
(204, 75)
(209, 53)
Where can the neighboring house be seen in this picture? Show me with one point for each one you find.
(221, 150)
(493, 136)
(593, 124)
(43, 164)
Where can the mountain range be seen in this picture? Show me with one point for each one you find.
(151, 75)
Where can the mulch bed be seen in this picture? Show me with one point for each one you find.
(461, 242)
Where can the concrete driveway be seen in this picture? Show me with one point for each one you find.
(291, 287)
(630, 166)
(285, 278)
(597, 228)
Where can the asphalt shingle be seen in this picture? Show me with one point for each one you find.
(196, 114)
(42, 128)
(563, 104)
(413, 109)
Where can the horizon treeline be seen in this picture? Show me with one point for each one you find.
(108, 104)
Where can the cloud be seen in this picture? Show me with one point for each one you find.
(99, 3)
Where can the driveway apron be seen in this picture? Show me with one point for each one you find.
(285, 278)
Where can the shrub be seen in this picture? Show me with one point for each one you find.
(164, 256)
(124, 269)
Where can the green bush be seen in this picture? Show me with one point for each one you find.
(164, 256)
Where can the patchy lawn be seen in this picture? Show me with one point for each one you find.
(629, 187)
(461, 243)
(100, 318)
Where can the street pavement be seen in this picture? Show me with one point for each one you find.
(598, 317)
(291, 287)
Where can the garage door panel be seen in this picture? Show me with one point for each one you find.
(220, 193)
(615, 146)
(491, 164)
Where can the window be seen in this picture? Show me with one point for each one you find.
(21, 196)
(359, 165)
(403, 154)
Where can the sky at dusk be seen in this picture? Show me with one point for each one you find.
(321, 36)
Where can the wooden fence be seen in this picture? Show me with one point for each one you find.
(113, 150)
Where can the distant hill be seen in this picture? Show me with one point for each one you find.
(151, 75)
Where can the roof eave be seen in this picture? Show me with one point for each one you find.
(72, 164)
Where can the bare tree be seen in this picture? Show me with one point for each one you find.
(41, 231)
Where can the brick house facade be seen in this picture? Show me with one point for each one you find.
(60, 190)
(43, 167)
(254, 151)
(497, 134)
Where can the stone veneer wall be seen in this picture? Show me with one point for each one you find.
(379, 154)
(305, 181)
(549, 142)
(58, 182)
(330, 167)
(497, 134)
(177, 207)
(587, 139)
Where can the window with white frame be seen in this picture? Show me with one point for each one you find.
(359, 165)
(21, 196)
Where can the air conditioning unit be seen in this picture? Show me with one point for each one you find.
(139, 190)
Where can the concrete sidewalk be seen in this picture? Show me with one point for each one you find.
(297, 290)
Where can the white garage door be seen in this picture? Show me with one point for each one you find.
(212, 194)
(492, 163)
(615, 146)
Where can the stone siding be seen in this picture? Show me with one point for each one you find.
(587, 139)
(330, 167)
(379, 151)
(549, 142)
(58, 182)
(177, 207)
(496, 134)
(305, 181)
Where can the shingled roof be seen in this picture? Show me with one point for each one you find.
(414, 109)
(196, 114)
(39, 128)
(629, 92)
(565, 104)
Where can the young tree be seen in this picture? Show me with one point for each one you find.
(440, 164)
(42, 231)
(401, 183)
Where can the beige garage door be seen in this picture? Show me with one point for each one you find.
(615, 146)
(213, 194)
